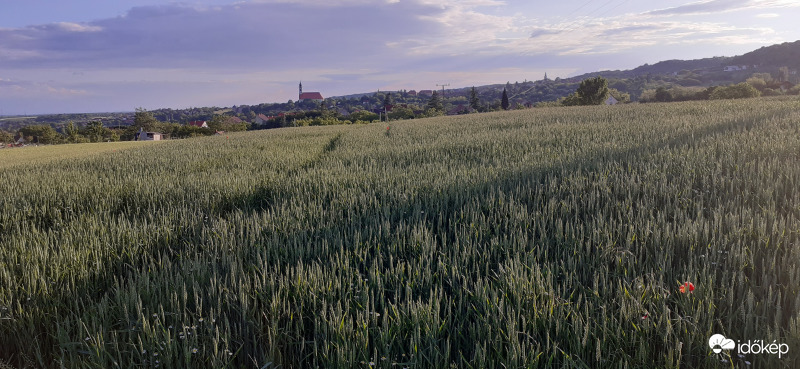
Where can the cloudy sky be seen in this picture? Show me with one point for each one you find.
(116, 55)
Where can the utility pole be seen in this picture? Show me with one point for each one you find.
(443, 86)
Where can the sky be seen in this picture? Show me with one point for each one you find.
(83, 56)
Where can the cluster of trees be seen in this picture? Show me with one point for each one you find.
(46, 134)
(759, 84)
(96, 131)
(592, 91)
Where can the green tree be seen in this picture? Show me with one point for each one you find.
(363, 115)
(474, 101)
(764, 76)
(504, 100)
(226, 123)
(738, 91)
(435, 103)
(571, 100)
(217, 123)
(401, 112)
(144, 119)
(40, 133)
(6, 137)
(388, 101)
(593, 91)
(622, 97)
(72, 132)
(96, 132)
(662, 95)
(783, 74)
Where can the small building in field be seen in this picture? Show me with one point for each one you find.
(611, 100)
(198, 123)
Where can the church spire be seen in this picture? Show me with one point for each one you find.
(301, 88)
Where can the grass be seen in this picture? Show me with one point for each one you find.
(553, 237)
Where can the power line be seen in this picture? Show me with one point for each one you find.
(579, 8)
(443, 88)
(617, 6)
(571, 26)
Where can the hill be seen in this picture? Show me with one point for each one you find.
(786, 54)
(636, 82)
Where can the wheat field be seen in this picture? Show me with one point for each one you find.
(540, 238)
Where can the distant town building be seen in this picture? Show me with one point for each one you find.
(198, 123)
(425, 93)
(611, 100)
(261, 119)
(734, 68)
(233, 120)
(309, 95)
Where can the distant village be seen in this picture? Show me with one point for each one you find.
(662, 82)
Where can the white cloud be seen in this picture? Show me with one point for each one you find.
(718, 6)
(10, 88)
(76, 27)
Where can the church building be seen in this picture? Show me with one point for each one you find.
(309, 95)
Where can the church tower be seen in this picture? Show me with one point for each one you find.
(301, 89)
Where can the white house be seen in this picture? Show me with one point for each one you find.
(611, 100)
(150, 136)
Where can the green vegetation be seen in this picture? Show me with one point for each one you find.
(504, 100)
(737, 91)
(592, 91)
(553, 237)
(32, 157)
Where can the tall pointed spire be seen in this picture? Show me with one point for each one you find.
(301, 88)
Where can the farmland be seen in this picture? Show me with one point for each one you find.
(42, 154)
(552, 237)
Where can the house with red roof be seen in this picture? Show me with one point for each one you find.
(233, 120)
(198, 123)
(261, 119)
